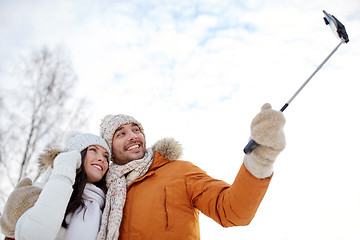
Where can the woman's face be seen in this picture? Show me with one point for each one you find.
(96, 163)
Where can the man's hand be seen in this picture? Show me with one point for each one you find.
(267, 131)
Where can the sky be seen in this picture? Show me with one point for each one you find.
(199, 71)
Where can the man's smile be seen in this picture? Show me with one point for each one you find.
(133, 146)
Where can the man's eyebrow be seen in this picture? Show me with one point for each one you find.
(119, 128)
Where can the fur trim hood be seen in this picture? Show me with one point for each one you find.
(169, 147)
(46, 158)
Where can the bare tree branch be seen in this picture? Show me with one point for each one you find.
(37, 112)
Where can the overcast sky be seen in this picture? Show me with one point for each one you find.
(199, 71)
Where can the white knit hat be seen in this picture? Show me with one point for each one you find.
(111, 123)
(80, 141)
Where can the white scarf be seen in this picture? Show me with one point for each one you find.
(85, 224)
(118, 178)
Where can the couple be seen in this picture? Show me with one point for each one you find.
(150, 194)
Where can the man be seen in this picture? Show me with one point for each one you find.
(153, 195)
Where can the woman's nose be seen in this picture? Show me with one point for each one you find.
(102, 158)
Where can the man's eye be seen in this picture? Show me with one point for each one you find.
(120, 134)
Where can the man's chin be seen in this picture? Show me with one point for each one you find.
(137, 156)
(127, 157)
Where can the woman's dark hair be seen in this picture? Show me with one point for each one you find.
(76, 200)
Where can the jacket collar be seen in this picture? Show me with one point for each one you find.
(158, 161)
(165, 150)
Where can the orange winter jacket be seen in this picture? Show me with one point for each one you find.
(165, 202)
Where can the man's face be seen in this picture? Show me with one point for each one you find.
(128, 144)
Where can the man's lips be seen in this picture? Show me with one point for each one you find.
(133, 146)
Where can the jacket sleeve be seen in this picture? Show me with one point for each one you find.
(228, 205)
(43, 220)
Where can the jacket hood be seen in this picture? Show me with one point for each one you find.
(46, 158)
(168, 147)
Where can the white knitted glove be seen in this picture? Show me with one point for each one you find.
(66, 163)
(267, 131)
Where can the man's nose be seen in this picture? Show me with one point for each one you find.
(132, 135)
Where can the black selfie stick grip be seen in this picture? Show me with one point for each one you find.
(252, 144)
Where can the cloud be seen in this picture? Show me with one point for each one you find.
(200, 70)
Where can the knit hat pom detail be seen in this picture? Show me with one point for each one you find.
(68, 135)
(105, 119)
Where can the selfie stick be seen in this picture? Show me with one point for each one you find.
(339, 30)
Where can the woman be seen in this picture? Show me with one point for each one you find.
(71, 201)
